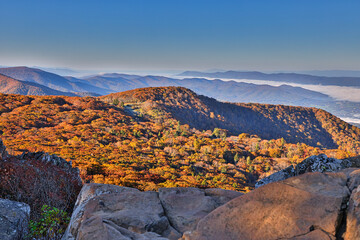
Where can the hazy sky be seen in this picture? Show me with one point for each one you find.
(181, 34)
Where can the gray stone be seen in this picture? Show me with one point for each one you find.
(222, 196)
(14, 218)
(318, 163)
(111, 212)
(321, 163)
(184, 207)
(278, 176)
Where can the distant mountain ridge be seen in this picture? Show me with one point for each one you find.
(232, 91)
(50, 80)
(9, 85)
(284, 77)
(221, 90)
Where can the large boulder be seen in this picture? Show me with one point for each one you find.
(105, 211)
(112, 212)
(221, 196)
(186, 206)
(353, 216)
(14, 218)
(310, 206)
(353, 211)
(317, 163)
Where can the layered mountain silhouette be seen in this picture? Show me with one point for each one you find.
(50, 80)
(13, 86)
(231, 91)
(221, 90)
(285, 77)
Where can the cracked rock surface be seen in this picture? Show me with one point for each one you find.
(111, 212)
(309, 206)
(13, 219)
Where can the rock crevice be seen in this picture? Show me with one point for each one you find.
(309, 206)
(108, 212)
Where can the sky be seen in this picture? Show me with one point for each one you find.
(179, 35)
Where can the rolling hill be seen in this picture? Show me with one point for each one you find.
(13, 86)
(311, 126)
(234, 91)
(50, 80)
(221, 90)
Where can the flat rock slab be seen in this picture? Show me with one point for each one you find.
(281, 210)
(14, 218)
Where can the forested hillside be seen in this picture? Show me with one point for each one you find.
(312, 126)
(167, 137)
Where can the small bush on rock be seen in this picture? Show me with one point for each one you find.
(51, 225)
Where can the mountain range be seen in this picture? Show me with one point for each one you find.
(230, 91)
(50, 80)
(282, 77)
(12, 86)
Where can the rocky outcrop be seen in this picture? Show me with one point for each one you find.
(309, 206)
(55, 161)
(319, 163)
(43, 157)
(36, 179)
(13, 219)
(276, 177)
(112, 212)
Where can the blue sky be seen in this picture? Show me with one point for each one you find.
(181, 35)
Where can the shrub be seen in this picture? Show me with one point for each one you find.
(51, 225)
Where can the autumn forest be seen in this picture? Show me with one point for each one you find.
(166, 137)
